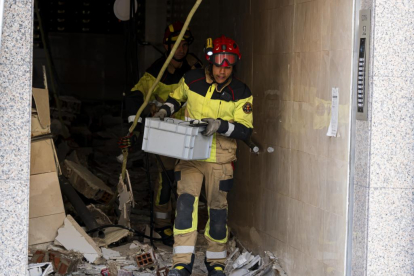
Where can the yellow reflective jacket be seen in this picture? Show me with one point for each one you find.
(231, 102)
(168, 83)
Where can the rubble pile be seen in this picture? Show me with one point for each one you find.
(84, 218)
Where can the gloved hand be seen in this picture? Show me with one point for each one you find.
(128, 141)
(162, 113)
(212, 127)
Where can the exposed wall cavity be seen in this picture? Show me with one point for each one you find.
(293, 201)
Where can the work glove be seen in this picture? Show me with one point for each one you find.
(162, 113)
(212, 127)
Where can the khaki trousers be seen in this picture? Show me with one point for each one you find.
(218, 181)
(162, 194)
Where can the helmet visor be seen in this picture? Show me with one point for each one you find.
(220, 58)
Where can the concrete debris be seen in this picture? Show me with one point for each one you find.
(162, 271)
(41, 269)
(246, 264)
(109, 253)
(112, 235)
(123, 272)
(100, 217)
(73, 237)
(86, 182)
(242, 260)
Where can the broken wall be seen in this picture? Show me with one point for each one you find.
(293, 201)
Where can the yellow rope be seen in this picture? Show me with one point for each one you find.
(160, 74)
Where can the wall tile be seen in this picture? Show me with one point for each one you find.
(334, 242)
(391, 232)
(301, 264)
(325, 6)
(294, 234)
(335, 193)
(281, 74)
(261, 30)
(341, 25)
(280, 31)
(278, 166)
(14, 217)
(307, 27)
(333, 271)
(277, 122)
(276, 221)
(305, 76)
(393, 46)
(304, 136)
(313, 231)
(306, 181)
(17, 38)
(392, 136)
(362, 144)
(359, 231)
(15, 123)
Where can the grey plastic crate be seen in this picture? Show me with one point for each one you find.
(176, 138)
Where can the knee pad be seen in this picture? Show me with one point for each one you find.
(217, 228)
(186, 220)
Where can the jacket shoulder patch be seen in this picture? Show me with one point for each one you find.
(247, 108)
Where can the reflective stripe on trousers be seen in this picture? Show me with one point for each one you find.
(183, 249)
(216, 255)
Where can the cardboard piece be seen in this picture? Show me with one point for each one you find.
(41, 114)
(45, 195)
(46, 211)
(73, 237)
(86, 182)
(43, 157)
(44, 229)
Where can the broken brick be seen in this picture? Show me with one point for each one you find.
(145, 259)
(62, 264)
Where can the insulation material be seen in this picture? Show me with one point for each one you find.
(73, 237)
(86, 183)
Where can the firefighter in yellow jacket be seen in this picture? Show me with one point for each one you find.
(180, 64)
(225, 103)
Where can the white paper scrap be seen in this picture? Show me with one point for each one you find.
(333, 126)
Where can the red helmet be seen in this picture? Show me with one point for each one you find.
(173, 31)
(222, 52)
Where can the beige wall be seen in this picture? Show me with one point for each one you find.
(294, 201)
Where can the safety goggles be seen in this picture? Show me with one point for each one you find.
(224, 59)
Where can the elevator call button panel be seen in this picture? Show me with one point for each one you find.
(362, 79)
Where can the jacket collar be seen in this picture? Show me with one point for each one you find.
(210, 80)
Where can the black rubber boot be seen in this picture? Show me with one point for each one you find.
(216, 271)
(166, 234)
(179, 271)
